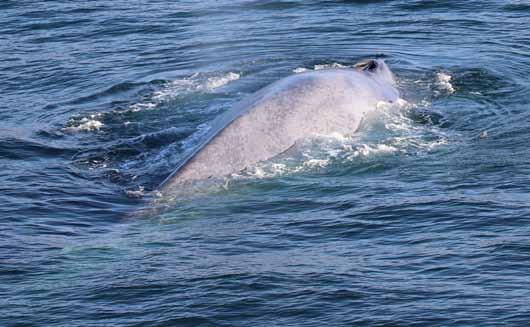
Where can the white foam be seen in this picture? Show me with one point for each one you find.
(84, 125)
(444, 81)
(217, 82)
(141, 106)
(388, 131)
(169, 91)
(329, 66)
(194, 83)
(137, 193)
(316, 163)
(372, 149)
(299, 70)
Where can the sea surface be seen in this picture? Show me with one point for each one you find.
(420, 219)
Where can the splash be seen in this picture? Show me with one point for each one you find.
(386, 132)
(217, 82)
(300, 70)
(367, 150)
(84, 124)
(195, 83)
(137, 193)
(444, 82)
(334, 65)
(169, 91)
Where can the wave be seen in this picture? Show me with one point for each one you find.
(84, 124)
(388, 131)
(164, 94)
(321, 66)
(443, 80)
(392, 130)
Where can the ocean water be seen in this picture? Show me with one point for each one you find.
(420, 219)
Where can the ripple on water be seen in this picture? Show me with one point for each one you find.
(418, 219)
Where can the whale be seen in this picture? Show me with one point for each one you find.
(273, 119)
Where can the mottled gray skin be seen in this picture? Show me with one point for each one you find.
(273, 119)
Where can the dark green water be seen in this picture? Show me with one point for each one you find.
(422, 219)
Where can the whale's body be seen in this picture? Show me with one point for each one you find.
(273, 119)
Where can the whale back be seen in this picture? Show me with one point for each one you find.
(276, 117)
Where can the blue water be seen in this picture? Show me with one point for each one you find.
(421, 219)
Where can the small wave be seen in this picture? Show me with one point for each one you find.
(195, 83)
(196, 137)
(166, 93)
(300, 70)
(84, 124)
(320, 67)
(443, 80)
(367, 150)
(136, 193)
(522, 6)
(217, 82)
(387, 131)
(429, 86)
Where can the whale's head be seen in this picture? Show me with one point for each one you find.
(378, 68)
